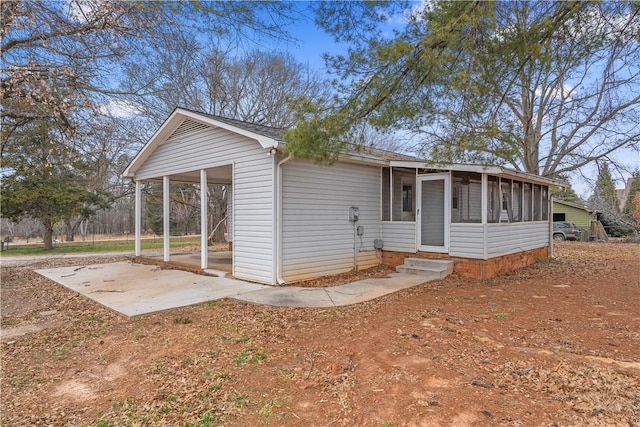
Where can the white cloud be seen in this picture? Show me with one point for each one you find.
(119, 109)
(416, 13)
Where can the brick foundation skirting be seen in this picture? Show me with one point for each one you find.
(474, 268)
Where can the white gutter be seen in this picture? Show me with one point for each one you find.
(278, 214)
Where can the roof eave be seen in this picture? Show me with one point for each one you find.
(171, 124)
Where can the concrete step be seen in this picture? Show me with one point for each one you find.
(439, 265)
(421, 271)
(433, 268)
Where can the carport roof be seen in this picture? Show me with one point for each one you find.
(267, 137)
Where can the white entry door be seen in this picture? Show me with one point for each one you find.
(433, 213)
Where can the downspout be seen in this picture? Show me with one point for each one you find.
(279, 279)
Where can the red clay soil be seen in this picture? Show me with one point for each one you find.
(557, 343)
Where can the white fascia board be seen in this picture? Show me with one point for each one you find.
(493, 170)
(161, 134)
(531, 178)
(448, 167)
(354, 158)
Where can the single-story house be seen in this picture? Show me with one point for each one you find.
(291, 219)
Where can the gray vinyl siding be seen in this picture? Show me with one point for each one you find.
(503, 239)
(399, 236)
(466, 240)
(251, 210)
(253, 233)
(317, 237)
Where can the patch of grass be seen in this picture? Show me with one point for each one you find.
(92, 318)
(10, 322)
(267, 409)
(250, 356)
(242, 358)
(181, 320)
(499, 316)
(207, 420)
(103, 423)
(332, 313)
(244, 338)
(63, 351)
(241, 400)
(101, 246)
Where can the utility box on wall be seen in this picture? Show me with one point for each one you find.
(354, 214)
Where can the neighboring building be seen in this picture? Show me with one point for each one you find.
(292, 220)
(580, 215)
(571, 212)
(623, 193)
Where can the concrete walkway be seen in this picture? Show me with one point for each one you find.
(334, 296)
(135, 289)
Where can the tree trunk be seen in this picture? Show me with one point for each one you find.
(69, 230)
(48, 234)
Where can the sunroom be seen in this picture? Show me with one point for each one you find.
(466, 211)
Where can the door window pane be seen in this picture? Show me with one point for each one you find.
(432, 213)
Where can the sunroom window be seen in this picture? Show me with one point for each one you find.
(398, 194)
(466, 197)
(515, 201)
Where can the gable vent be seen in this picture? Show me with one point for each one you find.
(188, 126)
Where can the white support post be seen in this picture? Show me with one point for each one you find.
(485, 227)
(204, 228)
(166, 217)
(138, 219)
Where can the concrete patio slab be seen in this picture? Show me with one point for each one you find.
(136, 289)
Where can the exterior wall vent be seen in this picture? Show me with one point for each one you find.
(188, 126)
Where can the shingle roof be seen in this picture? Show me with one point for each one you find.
(277, 134)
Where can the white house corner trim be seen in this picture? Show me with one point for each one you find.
(483, 213)
(204, 226)
(166, 219)
(138, 219)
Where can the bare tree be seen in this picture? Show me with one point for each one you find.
(256, 87)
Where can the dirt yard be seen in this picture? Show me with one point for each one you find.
(556, 344)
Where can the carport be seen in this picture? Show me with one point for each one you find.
(203, 150)
(203, 178)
